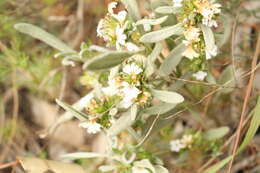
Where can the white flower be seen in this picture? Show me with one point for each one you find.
(187, 140)
(177, 3)
(209, 23)
(130, 93)
(190, 52)
(211, 52)
(192, 34)
(176, 145)
(121, 37)
(131, 47)
(91, 126)
(121, 16)
(132, 69)
(137, 169)
(208, 11)
(200, 75)
(111, 7)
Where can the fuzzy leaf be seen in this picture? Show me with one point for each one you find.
(134, 111)
(145, 163)
(78, 114)
(107, 168)
(167, 96)
(133, 9)
(166, 10)
(82, 155)
(162, 34)
(172, 60)
(227, 78)
(254, 125)
(152, 21)
(217, 133)
(40, 34)
(34, 165)
(107, 60)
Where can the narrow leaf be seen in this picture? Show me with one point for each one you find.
(134, 111)
(172, 60)
(166, 10)
(254, 125)
(152, 21)
(78, 114)
(215, 168)
(82, 155)
(162, 34)
(40, 34)
(107, 60)
(160, 169)
(167, 96)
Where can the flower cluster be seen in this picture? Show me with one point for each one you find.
(193, 14)
(179, 144)
(124, 89)
(117, 30)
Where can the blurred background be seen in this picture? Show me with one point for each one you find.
(31, 79)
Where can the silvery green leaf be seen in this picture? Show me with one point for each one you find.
(98, 48)
(152, 21)
(160, 169)
(145, 163)
(40, 34)
(150, 67)
(107, 60)
(162, 34)
(172, 60)
(167, 96)
(160, 108)
(217, 133)
(134, 111)
(83, 155)
(133, 9)
(208, 37)
(179, 83)
(121, 124)
(107, 168)
(78, 114)
(166, 10)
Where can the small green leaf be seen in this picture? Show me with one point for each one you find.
(83, 155)
(107, 60)
(145, 163)
(162, 34)
(254, 125)
(217, 133)
(227, 78)
(38, 33)
(133, 9)
(172, 60)
(166, 10)
(221, 39)
(152, 21)
(167, 96)
(78, 114)
(215, 168)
